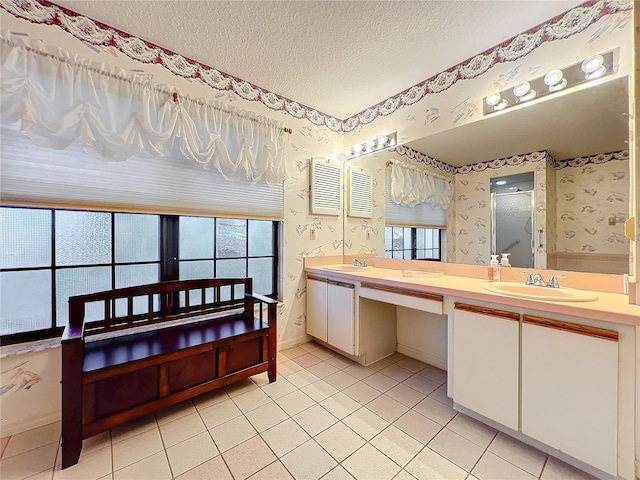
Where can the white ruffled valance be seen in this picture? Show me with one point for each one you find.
(411, 185)
(62, 100)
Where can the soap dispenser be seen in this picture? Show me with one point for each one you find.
(504, 261)
(494, 269)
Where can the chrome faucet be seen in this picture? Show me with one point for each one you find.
(358, 263)
(553, 281)
(537, 280)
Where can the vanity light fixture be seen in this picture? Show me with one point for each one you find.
(593, 67)
(496, 101)
(523, 92)
(501, 182)
(555, 80)
(381, 142)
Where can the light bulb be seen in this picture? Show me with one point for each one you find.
(370, 144)
(493, 99)
(528, 96)
(592, 64)
(381, 141)
(501, 106)
(501, 182)
(553, 77)
(357, 148)
(521, 89)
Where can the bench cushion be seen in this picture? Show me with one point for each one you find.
(115, 351)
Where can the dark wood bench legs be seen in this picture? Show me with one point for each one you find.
(73, 354)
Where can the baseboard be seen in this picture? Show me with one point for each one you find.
(292, 342)
(34, 421)
(423, 357)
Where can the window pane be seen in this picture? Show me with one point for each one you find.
(196, 271)
(231, 240)
(420, 254)
(196, 237)
(25, 238)
(132, 276)
(397, 254)
(429, 239)
(260, 238)
(137, 238)
(407, 255)
(398, 239)
(79, 281)
(261, 270)
(25, 301)
(82, 238)
(388, 238)
(407, 238)
(420, 233)
(231, 268)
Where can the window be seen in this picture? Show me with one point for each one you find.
(48, 255)
(411, 243)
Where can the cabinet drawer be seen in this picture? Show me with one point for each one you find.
(427, 302)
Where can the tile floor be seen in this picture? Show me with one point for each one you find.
(326, 417)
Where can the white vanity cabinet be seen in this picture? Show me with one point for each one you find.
(570, 389)
(486, 362)
(331, 312)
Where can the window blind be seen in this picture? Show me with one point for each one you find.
(421, 215)
(32, 175)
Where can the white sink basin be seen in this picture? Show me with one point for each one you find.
(533, 292)
(346, 268)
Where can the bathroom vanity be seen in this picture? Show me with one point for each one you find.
(559, 375)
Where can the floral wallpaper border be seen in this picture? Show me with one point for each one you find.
(595, 159)
(87, 30)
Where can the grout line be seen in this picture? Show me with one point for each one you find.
(544, 465)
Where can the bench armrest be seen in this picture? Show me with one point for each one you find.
(73, 332)
(263, 299)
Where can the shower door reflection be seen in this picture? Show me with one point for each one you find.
(512, 227)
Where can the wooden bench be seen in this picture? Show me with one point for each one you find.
(145, 348)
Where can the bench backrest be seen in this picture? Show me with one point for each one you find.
(129, 307)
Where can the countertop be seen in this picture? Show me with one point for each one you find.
(610, 307)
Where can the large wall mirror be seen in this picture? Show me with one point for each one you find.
(579, 205)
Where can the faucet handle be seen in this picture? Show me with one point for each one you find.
(530, 280)
(553, 281)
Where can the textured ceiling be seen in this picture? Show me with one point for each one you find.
(339, 57)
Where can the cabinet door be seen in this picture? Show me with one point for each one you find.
(340, 311)
(317, 308)
(570, 389)
(485, 362)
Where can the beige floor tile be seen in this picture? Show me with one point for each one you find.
(380, 382)
(457, 449)
(359, 371)
(492, 467)
(274, 471)
(325, 354)
(3, 444)
(137, 448)
(319, 390)
(434, 373)
(295, 402)
(340, 380)
(310, 346)
(338, 473)
(214, 469)
(361, 392)
(407, 396)
(418, 426)
(279, 388)
(287, 368)
(521, 455)
(266, 416)
(302, 378)
(368, 463)
(261, 379)
(284, 437)
(471, 429)
(174, 412)
(397, 445)
(440, 394)
(211, 398)
(48, 475)
(240, 387)
(340, 405)
(558, 470)
(412, 364)
(421, 384)
(248, 458)
(307, 360)
(251, 400)
(339, 361)
(404, 475)
(293, 352)
(192, 452)
(365, 423)
(322, 369)
(396, 357)
(387, 408)
(232, 433)
(95, 443)
(435, 410)
(315, 419)
(219, 413)
(28, 463)
(380, 364)
(133, 428)
(396, 372)
(93, 466)
(34, 438)
(181, 429)
(340, 441)
(155, 467)
(309, 461)
(429, 465)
